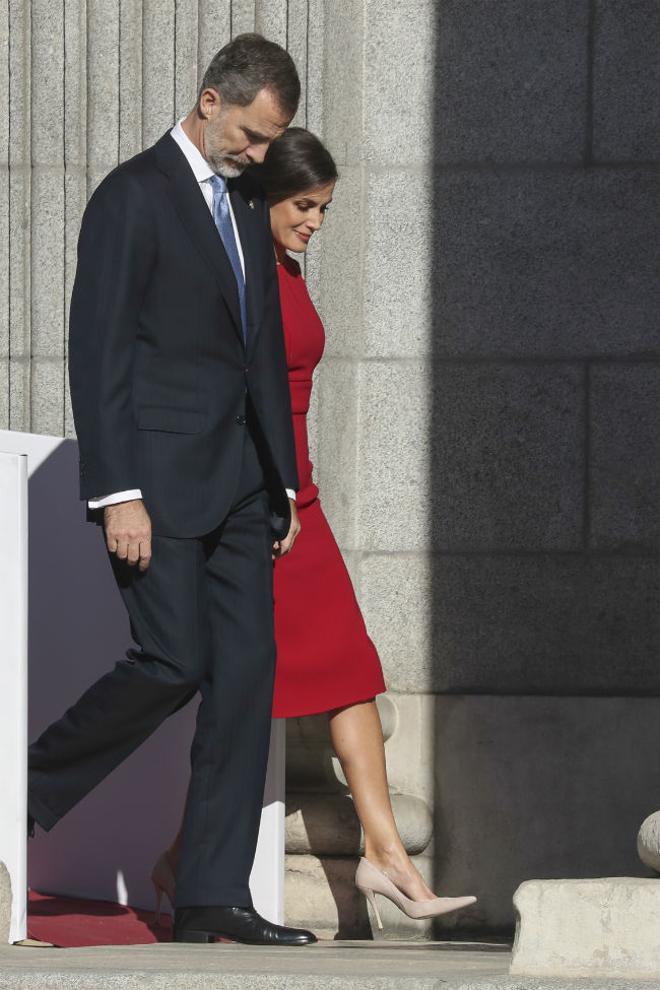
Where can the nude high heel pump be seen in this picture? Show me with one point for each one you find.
(370, 881)
(162, 877)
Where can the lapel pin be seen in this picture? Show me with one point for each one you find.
(251, 204)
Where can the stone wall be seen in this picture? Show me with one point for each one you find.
(490, 412)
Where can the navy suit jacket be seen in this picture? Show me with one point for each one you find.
(161, 379)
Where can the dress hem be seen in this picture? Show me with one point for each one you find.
(330, 708)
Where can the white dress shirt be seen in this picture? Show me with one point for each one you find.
(203, 173)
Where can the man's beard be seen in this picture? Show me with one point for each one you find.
(227, 167)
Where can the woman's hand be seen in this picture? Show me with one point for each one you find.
(282, 547)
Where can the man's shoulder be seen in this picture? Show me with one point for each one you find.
(129, 178)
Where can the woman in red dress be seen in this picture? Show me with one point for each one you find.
(325, 659)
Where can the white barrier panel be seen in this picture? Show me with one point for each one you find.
(13, 679)
(105, 848)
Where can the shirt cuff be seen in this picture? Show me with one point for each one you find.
(100, 501)
(291, 494)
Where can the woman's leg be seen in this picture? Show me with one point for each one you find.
(357, 739)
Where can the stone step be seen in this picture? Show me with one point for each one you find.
(327, 825)
(604, 928)
(326, 966)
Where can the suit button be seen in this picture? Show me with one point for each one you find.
(241, 420)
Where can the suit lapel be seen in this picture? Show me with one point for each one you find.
(248, 222)
(196, 218)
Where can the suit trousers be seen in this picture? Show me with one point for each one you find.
(202, 619)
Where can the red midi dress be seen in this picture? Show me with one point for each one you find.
(325, 658)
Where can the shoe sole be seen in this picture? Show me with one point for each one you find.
(207, 938)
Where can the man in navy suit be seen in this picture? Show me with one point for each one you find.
(180, 397)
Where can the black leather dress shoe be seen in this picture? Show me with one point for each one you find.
(236, 924)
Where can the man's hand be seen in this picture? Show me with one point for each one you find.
(282, 547)
(128, 532)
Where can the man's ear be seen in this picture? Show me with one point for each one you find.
(210, 103)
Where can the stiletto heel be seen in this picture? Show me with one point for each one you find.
(370, 881)
(162, 877)
(371, 898)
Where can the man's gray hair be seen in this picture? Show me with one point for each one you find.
(249, 64)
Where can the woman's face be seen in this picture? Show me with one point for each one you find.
(294, 220)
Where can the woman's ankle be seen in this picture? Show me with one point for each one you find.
(382, 854)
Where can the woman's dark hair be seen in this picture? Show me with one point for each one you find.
(249, 64)
(295, 162)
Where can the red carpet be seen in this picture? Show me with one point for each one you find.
(70, 923)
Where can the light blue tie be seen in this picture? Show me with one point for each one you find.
(222, 218)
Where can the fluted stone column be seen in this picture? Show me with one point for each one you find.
(86, 84)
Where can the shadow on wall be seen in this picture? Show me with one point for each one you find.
(545, 627)
(106, 846)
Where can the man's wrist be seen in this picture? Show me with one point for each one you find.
(101, 501)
